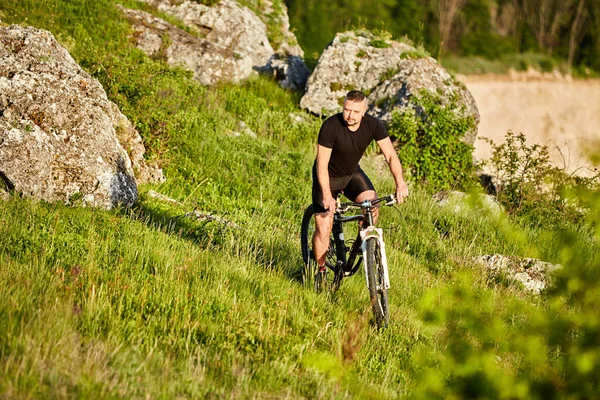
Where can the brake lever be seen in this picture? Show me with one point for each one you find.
(392, 200)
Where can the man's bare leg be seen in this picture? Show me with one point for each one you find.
(369, 195)
(323, 226)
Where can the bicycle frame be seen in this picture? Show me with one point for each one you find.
(368, 230)
(347, 264)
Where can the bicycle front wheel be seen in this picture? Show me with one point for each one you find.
(329, 280)
(375, 278)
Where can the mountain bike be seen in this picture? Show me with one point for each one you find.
(344, 256)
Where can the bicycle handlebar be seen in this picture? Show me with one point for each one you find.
(343, 207)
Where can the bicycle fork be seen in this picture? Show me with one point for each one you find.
(377, 233)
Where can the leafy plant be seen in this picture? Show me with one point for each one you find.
(430, 144)
(530, 185)
(379, 43)
(335, 86)
(389, 74)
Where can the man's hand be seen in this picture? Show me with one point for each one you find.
(401, 192)
(330, 204)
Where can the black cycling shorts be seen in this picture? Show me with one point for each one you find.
(350, 186)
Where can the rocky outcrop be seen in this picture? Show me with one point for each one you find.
(391, 73)
(59, 133)
(233, 31)
(211, 63)
(287, 64)
(533, 274)
(226, 24)
(132, 142)
(289, 70)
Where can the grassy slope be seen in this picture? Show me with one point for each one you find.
(146, 303)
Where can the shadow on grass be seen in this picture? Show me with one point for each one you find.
(204, 233)
(219, 236)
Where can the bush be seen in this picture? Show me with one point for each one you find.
(531, 187)
(429, 141)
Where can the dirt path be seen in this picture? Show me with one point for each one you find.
(560, 113)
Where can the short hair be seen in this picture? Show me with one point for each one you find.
(355, 95)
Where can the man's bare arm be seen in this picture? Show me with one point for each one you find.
(323, 156)
(395, 167)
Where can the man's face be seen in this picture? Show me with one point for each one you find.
(354, 111)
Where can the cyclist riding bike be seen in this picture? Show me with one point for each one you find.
(343, 139)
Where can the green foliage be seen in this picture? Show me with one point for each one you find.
(379, 43)
(531, 187)
(412, 55)
(505, 63)
(490, 30)
(479, 37)
(335, 86)
(520, 346)
(429, 141)
(389, 74)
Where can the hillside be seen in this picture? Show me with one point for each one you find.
(154, 301)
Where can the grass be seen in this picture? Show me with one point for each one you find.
(475, 65)
(147, 303)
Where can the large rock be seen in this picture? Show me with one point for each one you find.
(289, 70)
(390, 72)
(535, 275)
(211, 63)
(228, 25)
(58, 130)
(287, 64)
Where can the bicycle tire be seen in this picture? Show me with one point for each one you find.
(377, 290)
(332, 279)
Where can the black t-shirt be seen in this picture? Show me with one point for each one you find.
(348, 147)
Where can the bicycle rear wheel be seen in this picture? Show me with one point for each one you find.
(375, 278)
(331, 279)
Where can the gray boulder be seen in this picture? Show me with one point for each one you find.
(289, 70)
(392, 73)
(228, 25)
(58, 130)
(535, 275)
(287, 63)
(210, 63)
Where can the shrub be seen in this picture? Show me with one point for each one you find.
(379, 43)
(530, 186)
(429, 141)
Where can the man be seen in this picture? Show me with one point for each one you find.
(342, 141)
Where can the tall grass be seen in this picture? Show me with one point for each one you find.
(476, 65)
(149, 303)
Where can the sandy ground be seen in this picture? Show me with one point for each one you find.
(563, 114)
